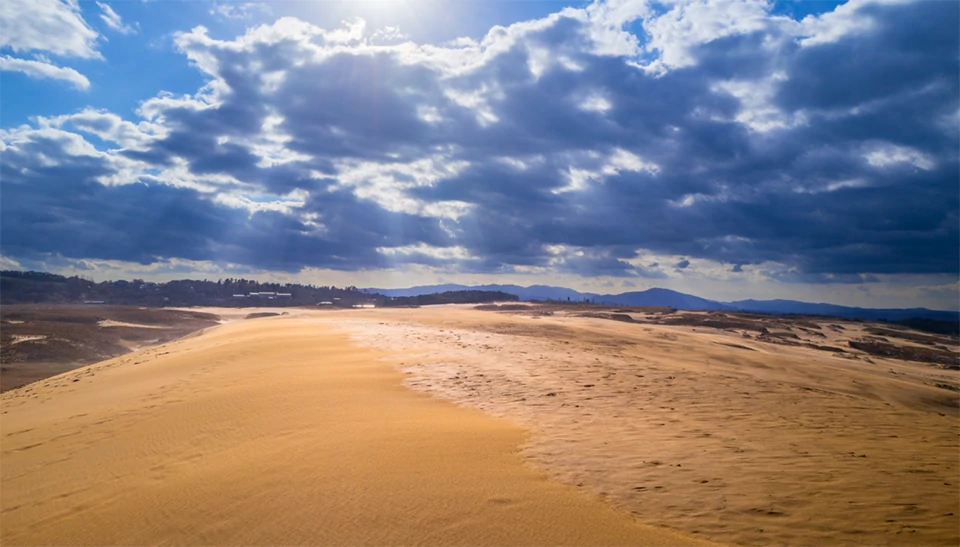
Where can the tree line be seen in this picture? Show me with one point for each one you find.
(17, 287)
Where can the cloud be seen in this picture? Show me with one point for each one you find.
(239, 10)
(387, 35)
(52, 26)
(726, 136)
(42, 69)
(42, 27)
(113, 20)
(106, 126)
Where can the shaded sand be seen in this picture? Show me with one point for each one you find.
(275, 431)
(704, 430)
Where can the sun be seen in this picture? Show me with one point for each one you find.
(377, 15)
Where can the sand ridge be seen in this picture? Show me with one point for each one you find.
(275, 431)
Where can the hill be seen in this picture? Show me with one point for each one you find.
(658, 297)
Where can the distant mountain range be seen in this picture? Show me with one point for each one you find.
(681, 301)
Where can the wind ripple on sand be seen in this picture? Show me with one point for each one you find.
(274, 432)
(755, 445)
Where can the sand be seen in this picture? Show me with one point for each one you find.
(111, 323)
(703, 430)
(21, 338)
(277, 431)
(40, 341)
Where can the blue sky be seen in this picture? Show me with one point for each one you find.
(730, 149)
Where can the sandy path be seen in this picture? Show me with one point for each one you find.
(737, 440)
(274, 432)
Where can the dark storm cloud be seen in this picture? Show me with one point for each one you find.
(914, 46)
(73, 215)
(855, 174)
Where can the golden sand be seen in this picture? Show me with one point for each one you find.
(275, 431)
(703, 430)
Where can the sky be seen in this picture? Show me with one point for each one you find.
(729, 149)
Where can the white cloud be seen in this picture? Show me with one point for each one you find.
(832, 186)
(886, 154)
(53, 26)
(758, 109)
(113, 20)
(108, 127)
(607, 20)
(477, 100)
(429, 114)
(596, 102)
(387, 184)
(7, 263)
(28, 140)
(624, 160)
(253, 202)
(688, 24)
(42, 69)
(388, 34)
(239, 10)
(443, 253)
(848, 18)
(351, 31)
(619, 160)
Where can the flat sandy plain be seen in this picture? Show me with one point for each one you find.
(450, 425)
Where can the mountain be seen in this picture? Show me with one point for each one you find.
(534, 292)
(681, 301)
(664, 298)
(425, 289)
(651, 297)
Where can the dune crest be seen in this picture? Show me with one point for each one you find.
(275, 431)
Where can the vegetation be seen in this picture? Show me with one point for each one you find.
(450, 297)
(931, 325)
(38, 341)
(39, 287)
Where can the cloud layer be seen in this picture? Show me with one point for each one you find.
(821, 150)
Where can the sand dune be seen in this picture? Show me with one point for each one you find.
(275, 431)
(704, 430)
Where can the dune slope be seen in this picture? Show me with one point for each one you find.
(274, 431)
(736, 438)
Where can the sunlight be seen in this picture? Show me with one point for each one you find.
(479, 272)
(378, 14)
